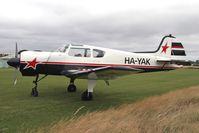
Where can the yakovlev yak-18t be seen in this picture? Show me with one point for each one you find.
(96, 63)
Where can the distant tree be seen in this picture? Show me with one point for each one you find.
(196, 63)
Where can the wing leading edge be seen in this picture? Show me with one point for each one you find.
(103, 73)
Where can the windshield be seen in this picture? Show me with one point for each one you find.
(63, 48)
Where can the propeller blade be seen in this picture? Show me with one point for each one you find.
(17, 68)
(16, 51)
(15, 82)
(15, 76)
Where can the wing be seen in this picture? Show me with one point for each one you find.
(104, 73)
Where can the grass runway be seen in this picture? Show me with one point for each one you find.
(19, 111)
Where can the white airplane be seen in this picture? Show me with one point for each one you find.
(96, 63)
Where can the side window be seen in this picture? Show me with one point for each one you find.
(79, 52)
(98, 53)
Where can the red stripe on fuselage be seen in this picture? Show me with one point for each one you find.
(177, 46)
(94, 65)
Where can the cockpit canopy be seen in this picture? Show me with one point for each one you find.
(63, 48)
(81, 51)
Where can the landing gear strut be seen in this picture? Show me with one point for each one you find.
(88, 94)
(72, 87)
(34, 91)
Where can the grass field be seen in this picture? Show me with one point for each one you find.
(173, 112)
(19, 111)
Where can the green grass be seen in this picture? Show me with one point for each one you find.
(19, 111)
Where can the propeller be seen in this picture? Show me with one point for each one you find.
(16, 50)
(15, 62)
(17, 67)
(15, 76)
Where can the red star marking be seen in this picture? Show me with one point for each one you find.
(31, 64)
(164, 48)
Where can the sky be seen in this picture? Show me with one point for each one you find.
(132, 25)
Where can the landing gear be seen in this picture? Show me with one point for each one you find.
(34, 91)
(72, 87)
(88, 94)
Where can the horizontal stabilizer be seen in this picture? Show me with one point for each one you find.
(172, 59)
(163, 59)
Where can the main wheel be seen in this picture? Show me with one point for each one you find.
(71, 88)
(34, 92)
(87, 96)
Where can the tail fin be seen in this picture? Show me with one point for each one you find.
(170, 49)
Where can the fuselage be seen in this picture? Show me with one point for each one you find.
(77, 57)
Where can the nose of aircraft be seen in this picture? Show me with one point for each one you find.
(14, 62)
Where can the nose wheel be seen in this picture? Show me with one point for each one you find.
(34, 92)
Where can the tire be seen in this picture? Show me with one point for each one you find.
(87, 96)
(34, 92)
(71, 88)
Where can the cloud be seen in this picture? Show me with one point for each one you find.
(46, 25)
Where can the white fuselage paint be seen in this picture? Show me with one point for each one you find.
(111, 58)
